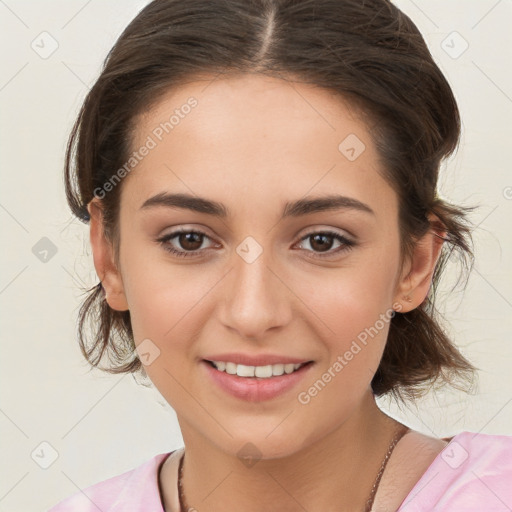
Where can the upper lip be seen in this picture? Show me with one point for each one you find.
(256, 360)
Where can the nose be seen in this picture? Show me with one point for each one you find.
(257, 298)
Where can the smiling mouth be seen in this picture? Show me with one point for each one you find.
(256, 372)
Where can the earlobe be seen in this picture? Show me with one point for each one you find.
(415, 284)
(103, 256)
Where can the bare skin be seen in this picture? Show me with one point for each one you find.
(253, 144)
(410, 459)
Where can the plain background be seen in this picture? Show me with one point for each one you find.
(96, 425)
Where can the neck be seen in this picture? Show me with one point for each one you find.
(336, 472)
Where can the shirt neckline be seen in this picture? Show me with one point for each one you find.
(422, 477)
(158, 484)
(427, 471)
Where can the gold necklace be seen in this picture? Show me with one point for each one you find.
(369, 502)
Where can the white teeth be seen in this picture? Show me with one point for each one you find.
(277, 369)
(231, 368)
(244, 371)
(288, 368)
(262, 372)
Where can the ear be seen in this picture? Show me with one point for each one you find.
(104, 262)
(414, 283)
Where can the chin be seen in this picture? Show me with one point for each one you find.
(265, 443)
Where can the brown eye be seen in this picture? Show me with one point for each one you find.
(322, 242)
(184, 243)
(190, 241)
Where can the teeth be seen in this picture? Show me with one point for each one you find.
(288, 368)
(262, 372)
(230, 368)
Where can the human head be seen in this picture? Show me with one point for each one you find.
(370, 54)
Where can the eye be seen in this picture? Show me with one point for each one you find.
(189, 240)
(191, 243)
(323, 241)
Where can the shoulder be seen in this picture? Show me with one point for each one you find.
(411, 458)
(472, 472)
(137, 487)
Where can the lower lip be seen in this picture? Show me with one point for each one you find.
(254, 389)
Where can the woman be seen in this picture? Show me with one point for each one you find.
(260, 180)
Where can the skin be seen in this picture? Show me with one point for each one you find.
(254, 143)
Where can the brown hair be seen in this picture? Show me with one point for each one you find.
(367, 51)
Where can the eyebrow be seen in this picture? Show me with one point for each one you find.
(297, 208)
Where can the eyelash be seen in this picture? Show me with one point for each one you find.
(164, 241)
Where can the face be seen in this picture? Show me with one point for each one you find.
(239, 268)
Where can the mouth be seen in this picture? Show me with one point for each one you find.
(255, 383)
(256, 372)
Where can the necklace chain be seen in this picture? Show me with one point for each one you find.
(369, 502)
(398, 435)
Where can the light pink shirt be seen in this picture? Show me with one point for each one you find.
(472, 473)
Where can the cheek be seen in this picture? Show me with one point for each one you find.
(355, 313)
(163, 299)
(347, 300)
(169, 305)
(166, 308)
(352, 309)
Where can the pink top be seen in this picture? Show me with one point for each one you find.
(472, 473)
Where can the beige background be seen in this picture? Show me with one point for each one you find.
(97, 425)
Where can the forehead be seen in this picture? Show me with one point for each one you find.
(249, 104)
(259, 135)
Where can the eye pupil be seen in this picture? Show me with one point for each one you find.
(185, 239)
(322, 246)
